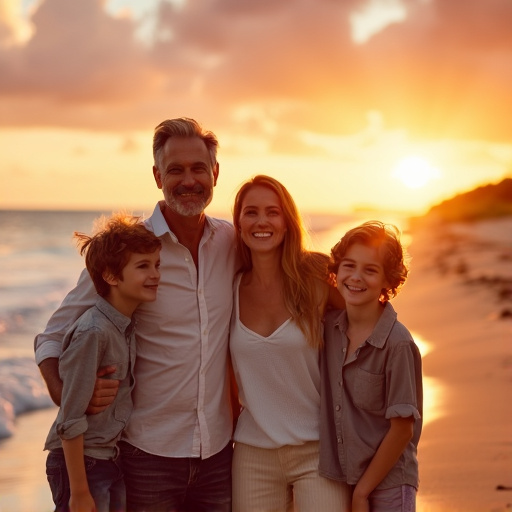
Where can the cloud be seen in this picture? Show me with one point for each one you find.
(446, 71)
(290, 66)
(80, 67)
(13, 29)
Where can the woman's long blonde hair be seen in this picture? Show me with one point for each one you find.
(302, 269)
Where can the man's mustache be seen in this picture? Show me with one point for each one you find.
(181, 189)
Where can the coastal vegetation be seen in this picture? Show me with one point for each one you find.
(485, 202)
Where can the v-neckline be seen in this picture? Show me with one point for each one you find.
(248, 329)
(263, 337)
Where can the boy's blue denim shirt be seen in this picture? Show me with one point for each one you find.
(102, 336)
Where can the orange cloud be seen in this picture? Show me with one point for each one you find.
(444, 71)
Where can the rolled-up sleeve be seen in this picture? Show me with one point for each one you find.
(77, 368)
(49, 343)
(405, 392)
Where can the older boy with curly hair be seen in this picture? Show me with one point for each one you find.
(371, 410)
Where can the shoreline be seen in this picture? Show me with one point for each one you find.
(465, 452)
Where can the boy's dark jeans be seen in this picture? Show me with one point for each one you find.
(105, 478)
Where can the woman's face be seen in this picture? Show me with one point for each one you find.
(262, 222)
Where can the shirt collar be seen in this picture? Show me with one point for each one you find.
(159, 226)
(123, 323)
(381, 330)
(383, 327)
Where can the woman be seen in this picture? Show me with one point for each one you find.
(276, 334)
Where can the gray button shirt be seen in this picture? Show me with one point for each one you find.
(360, 393)
(102, 336)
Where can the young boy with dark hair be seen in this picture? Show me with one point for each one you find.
(123, 259)
(372, 398)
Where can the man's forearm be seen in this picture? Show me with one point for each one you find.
(49, 369)
(105, 390)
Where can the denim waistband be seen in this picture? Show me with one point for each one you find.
(103, 452)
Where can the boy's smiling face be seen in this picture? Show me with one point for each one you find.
(360, 277)
(139, 280)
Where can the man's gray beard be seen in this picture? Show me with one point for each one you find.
(186, 210)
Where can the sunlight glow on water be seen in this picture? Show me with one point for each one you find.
(432, 388)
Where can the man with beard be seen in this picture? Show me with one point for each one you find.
(176, 450)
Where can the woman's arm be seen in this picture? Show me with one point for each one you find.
(233, 388)
(386, 456)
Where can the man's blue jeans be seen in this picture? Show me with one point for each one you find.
(105, 479)
(155, 484)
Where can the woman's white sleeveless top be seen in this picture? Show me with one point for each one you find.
(279, 384)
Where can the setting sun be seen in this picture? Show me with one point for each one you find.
(415, 171)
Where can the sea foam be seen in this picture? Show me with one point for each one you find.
(22, 389)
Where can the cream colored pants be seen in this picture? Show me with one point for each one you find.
(284, 479)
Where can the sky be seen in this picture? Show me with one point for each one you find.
(352, 104)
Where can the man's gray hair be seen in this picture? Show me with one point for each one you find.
(184, 127)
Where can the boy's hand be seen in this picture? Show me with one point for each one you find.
(105, 391)
(360, 504)
(82, 502)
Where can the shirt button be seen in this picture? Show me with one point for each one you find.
(338, 407)
(186, 259)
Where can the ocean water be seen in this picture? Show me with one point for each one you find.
(39, 264)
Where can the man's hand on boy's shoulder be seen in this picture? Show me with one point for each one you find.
(105, 391)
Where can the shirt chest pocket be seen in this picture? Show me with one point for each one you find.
(121, 370)
(369, 390)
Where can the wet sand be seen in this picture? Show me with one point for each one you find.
(23, 484)
(458, 299)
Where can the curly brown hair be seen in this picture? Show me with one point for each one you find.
(110, 247)
(386, 238)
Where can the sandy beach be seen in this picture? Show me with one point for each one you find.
(23, 484)
(458, 300)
